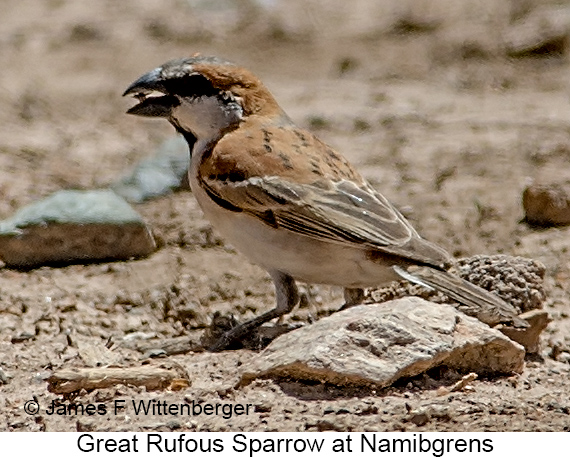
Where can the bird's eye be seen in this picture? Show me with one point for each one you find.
(227, 96)
(191, 86)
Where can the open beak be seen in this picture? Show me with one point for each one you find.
(153, 98)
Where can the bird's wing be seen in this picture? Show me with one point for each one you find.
(337, 212)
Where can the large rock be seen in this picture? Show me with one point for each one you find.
(381, 343)
(74, 226)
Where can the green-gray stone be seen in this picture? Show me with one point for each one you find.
(158, 175)
(74, 226)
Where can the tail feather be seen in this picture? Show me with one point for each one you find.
(474, 300)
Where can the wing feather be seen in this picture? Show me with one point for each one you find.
(340, 212)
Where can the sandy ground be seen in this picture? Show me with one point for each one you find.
(422, 99)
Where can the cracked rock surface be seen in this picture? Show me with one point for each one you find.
(381, 343)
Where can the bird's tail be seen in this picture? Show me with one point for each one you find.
(474, 301)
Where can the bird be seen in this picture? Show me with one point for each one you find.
(287, 200)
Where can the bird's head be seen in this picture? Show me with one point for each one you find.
(203, 97)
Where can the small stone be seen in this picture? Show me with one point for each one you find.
(374, 345)
(419, 418)
(324, 425)
(174, 425)
(367, 410)
(83, 425)
(547, 204)
(158, 175)
(564, 357)
(74, 226)
(440, 413)
(3, 377)
(263, 408)
(21, 337)
(529, 337)
(154, 353)
(96, 355)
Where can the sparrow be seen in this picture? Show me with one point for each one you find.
(288, 201)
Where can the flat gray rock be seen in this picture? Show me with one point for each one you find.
(74, 226)
(375, 345)
(158, 175)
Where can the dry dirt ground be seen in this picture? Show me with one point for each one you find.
(421, 96)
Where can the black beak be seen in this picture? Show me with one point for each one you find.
(154, 99)
(146, 83)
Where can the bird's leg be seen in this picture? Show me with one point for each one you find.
(287, 296)
(352, 297)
